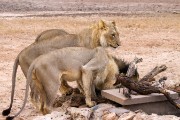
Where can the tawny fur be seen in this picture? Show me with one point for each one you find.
(102, 32)
(81, 65)
(90, 68)
(50, 34)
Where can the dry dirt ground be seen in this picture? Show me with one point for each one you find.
(86, 7)
(154, 37)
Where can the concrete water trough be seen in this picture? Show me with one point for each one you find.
(153, 103)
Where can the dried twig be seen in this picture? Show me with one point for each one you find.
(145, 88)
(76, 99)
(149, 77)
(133, 67)
(131, 71)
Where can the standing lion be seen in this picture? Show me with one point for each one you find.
(103, 33)
(90, 68)
(69, 64)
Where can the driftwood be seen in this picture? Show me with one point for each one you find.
(130, 73)
(154, 72)
(144, 86)
(133, 67)
(77, 99)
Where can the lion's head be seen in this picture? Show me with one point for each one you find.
(105, 34)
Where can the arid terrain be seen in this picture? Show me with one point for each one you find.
(154, 37)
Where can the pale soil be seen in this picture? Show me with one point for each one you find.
(154, 38)
(89, 5)
(86, 7)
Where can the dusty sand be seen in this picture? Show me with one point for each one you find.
(154, 37)
(86, 7)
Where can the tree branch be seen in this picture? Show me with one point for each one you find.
(149, 77)
(145, 88)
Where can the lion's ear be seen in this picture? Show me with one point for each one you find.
(102, 24)
(114, 23)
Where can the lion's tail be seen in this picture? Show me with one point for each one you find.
(29, 79)
(16, 63)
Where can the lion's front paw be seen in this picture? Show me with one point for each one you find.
(91, 103)
(45, 111)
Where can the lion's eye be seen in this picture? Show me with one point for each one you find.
(113, 35)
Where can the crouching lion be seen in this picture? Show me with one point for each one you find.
(102, 33)
(89, 67)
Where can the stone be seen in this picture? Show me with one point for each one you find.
(80, 113)
(101, 109)
(54, 116)
(118, 111)
(127, 116)
(140, 116)
(110, 116)
(163, 117)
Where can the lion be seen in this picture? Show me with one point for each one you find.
(50, 34)
(89, 67)
(81, 64)
(102, 33)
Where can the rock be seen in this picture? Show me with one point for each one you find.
(140, 116)
(119, 111)
(80, 113)
(144, 116)
(54, 116)
(127, 116)
(110, 116)
(107, 111)
(100, 110)
(103, 112)
(162, 117)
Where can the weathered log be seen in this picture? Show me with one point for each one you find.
(77, 99)
(132, 67)
(159, 83)
(130, 73)
(145, 88)
(126, 92)
(162, 79)
(149, 77)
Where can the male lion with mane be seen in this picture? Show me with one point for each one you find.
(103, 33)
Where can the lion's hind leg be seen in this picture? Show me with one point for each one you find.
(42, 97)
(35, 99)
(47, 88)
(35, 96)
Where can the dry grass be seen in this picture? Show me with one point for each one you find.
(35, 25)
